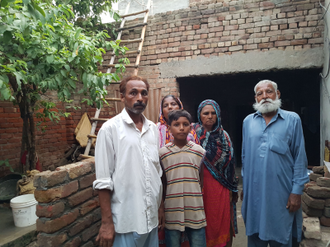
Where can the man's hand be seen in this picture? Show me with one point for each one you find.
(106, 235)
(161, 217)
(293, 203)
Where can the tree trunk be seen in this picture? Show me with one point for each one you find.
(28, 129)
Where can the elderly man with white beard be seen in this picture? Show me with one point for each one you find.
(274, 171)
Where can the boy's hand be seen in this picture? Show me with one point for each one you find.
(161, 217)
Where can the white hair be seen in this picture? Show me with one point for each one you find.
(265, 82)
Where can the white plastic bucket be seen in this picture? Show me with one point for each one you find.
(24, 210)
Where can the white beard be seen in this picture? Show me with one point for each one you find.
(269, 106)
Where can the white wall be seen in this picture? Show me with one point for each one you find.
(157, 6)
(325, 88)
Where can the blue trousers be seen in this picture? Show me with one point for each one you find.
(196, 237)
(132, 239)
(255, 241)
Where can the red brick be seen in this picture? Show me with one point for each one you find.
(73, 243)
(51, 240)
(88, 244)
(53, 194)
(77, 169)
(91, 231)
(49, 179)
(89, 206)
(80, 197)
(325, 221)
(49, 211)
(311, 183)
(97, 214)
(282, 43)
(196, 26)
(298, 42)
(87, 181)
(51, 226)
(81, 225)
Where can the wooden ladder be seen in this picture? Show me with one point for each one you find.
(111, 65)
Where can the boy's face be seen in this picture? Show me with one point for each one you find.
(180, 128)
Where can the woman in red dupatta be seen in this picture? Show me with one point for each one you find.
(220, 185)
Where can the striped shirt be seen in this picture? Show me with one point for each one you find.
(184, 202)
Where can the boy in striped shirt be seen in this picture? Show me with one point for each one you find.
(181, 160)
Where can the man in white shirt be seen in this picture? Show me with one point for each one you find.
(128, 173)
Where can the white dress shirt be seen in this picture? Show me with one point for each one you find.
(127, 163)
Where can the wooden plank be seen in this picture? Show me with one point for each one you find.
(132, 27)
(130, 52)
(127, 65)
(113, 99)
(138, 57)
(99, 119)
(136, 13)
(84, 156)
(125, 41)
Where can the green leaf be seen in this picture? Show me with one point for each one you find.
(4, 3)
(67, 67)
(7, 36)
(66, 92)
(3, 28)
(77, 33)
(50, 59)
(63, 72)
(71, 83)
(41, 11)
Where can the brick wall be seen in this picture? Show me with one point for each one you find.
(51, 144)
(218, 28)
(68, 208)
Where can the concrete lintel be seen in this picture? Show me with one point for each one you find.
(255, 61)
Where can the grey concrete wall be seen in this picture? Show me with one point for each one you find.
(325, 90)
(157, 6)
(255, 61)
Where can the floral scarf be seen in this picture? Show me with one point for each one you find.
(219, 156)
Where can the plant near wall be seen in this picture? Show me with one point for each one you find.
(42, 52)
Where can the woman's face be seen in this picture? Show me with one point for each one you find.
(169, 104)
(208, 117)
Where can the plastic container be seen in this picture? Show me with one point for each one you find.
(24, 210)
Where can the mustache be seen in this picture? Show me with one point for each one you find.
(139, 104)
(267, 100)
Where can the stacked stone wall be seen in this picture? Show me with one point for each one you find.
(68, 208)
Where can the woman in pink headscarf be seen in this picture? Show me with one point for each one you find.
(170, 103)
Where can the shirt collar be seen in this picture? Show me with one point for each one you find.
(129, 120)
(278, 114)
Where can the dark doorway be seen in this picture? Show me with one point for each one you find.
(300, 92)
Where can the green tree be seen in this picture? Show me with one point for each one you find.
(42, 51)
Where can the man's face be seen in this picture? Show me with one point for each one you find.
(267, 100)
(180, 128)
(135, 97)
(266, 91)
